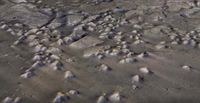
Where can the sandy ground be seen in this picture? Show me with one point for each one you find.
(168, 82)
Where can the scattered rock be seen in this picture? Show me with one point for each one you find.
(186, 67)
(143, 55)
(102, 99)
(69, 75)
(115, 97)
(11, 100)
(144, 70)
(56, 65)
(104, 68)
(73, 92)
(53, 56)
(136, 79)
(17, 100)
(61, 98)
(27, 74)
(8, 100)
(160, 46)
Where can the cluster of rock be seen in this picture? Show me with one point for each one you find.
(191, 39)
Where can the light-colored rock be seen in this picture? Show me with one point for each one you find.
(138, 42)
(100, 56)
(69, 75)
(36, 64)
(27, 74)
(31, 31)
(134, 87)
(160, 46)
(186, 67)
(135, 79)
(30, 38)
(86, 42)
(38, 48)
(74, 19)
(56, 57)
(68, 40)
(90, 19)
(102, 99)
(70, 60)
(8, 100)
(77, 34)
(4, 26)
(60, 42)
(144, 70)
(33, 43)
(104, 68)
(53, 50)
(37, 58)
(115, 97)
(56, 65)
(60, 98)
(73, 92)
(56, 23)
(130, 14)
(143, 55)
(17, 100)
(115, 52)
(11, 100)
(91, 29)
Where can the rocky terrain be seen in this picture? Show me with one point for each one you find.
(100, 51)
